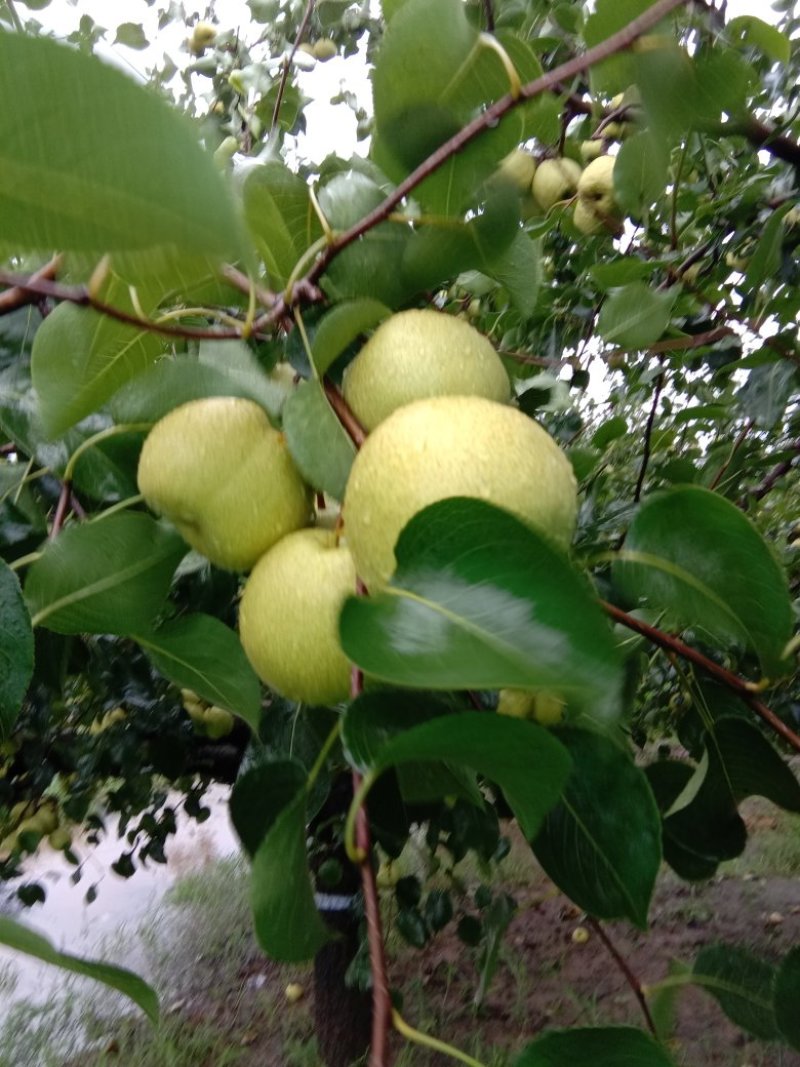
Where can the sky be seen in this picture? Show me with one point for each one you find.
(330, 129)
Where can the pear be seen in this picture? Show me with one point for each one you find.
(453, 446)
(289, 617)
(518, 168)
(596, 209)
(224, 477)
(417, 354)
(555, 180)
(324, 49)
(543, 707)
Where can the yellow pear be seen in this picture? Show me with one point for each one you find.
(289, 617)
(421, 353)
(324, 49)
(518, 167)
(453, 446)
(555, 180)
(224, 477)
(596, 209)
(545, 708)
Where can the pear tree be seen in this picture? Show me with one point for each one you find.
(439, 489)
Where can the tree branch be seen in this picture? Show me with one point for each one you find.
(737, 444)
(648, 434)
(489, 13)
(287, 63)
(344, 413)
(624, 967)
(487, 120)
(771, 479)
(17, 296)
(727, 678)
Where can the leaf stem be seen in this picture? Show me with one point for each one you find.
(627, 973)
(324, 752)
(287, 64)
(351, 846)
(119, 506)
(23, 561)
(16, 20)
(418, 1038)
(101, 435)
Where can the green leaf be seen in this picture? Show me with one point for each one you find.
(787, 997)
(21, 938)
(342, 325)
(602, 843)
(524, 759)
(742, 985)
(80, 358)
(601, 1046)
(766, 259)
(131, 35)
(695, 555)
(754, 32)
(767, 392)
(636, 315)
(177, 380)
(16, 649)
(317, 441)
(479, 601)
(640, 174)
(518, 268)
(111, 167)
(107, 576)
(281, 218)
(620, 272)
(268, 809)
(201, 653)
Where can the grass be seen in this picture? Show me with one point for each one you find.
(773, 845)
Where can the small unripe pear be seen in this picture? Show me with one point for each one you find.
(518, 168)
(324, 49)
(596, 209)
(218, 722)
(555, 180)
(203, 35)
(591, 149)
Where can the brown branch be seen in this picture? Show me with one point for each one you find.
(774, 476)
(681, 344)
(727, 678)
(648, 434)
(624, 967)
(17, 296)
(760, 135)
(381, 998)
(287, 63)
(62, 510)
(80, 295)
(489, 13)
(240, 281)
(737, 444)
(344, 413)
(488, 120)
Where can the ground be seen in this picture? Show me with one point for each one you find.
(226, 1005)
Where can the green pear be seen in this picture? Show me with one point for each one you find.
(417, 354)
(555, 180)
(543, 707)
(518, 168)
(591, 149)
(289, 617)
(453, 446)
(224, 477)
(218, 722)
(596, 209)
(324, 49)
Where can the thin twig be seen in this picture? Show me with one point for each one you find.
(287, 64)
(17, 297)
(62, 510)
(624, 967)
(727, 678)
(488, 120)
(737, 444)
(648, 434)
(344, 413)
(774, 476)
(80, 295)
(489, 13)
(241, 282)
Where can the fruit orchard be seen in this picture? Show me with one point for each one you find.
(413, 491)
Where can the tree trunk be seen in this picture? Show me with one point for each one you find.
(342, 1016)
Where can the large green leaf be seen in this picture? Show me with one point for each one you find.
(601, 1046)
(110, 165)
(742, 985)
(693, 554)
(480, 601)
(177, 380)
(201, 653)
(518, 269)
(16, 649)
(21, 938)
(80, 358)
(640, 174)
(787, 997)
(342, 325)
(268, 809)
(602, 843)
(108, 576)
(635, 316)
(317, 441)
(281, 218)
(522, 758)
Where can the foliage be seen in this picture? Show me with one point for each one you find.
(201, 253)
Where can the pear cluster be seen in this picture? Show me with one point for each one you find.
(435, 396)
